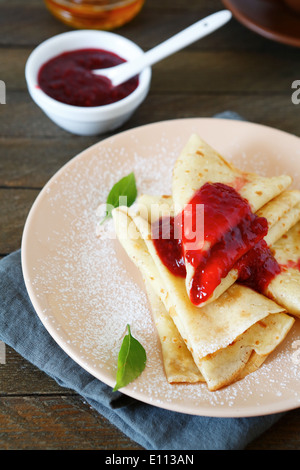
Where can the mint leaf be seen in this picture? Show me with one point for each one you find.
(131, 361)
(123, 193)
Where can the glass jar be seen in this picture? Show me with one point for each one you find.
(94, 14)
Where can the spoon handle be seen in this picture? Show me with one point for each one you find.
(182, 39)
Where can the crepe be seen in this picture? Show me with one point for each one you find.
(199, 164)
(235, 329)
(223, 365)
(222, 321)
(282, 213)
(178, 362)
(283, 216)
(242, 357)
(285, 287)
(247, 353)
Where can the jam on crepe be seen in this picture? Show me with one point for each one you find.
(168, 245)
(233, 239)
(258, 267)
(291, 264)
(68, 78)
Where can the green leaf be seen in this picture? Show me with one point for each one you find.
(123, 193)
(131, 361)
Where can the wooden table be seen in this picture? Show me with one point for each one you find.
(231, 69)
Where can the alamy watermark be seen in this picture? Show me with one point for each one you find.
(2, 353)
(189, 224)
(2, 92)
(296, 94)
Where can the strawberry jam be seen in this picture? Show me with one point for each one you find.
(232, 238)
(68, 78)
(168, 245)
(258, 267)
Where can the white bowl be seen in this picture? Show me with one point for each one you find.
(86, 120)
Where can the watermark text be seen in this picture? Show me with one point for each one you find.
(2, 92)
(296, 94)
(2, 353)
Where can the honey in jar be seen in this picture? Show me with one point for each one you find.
(94, 14)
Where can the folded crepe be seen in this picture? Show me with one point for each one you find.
(200, 165)
(237, 327)
(218, 344)
(224, 367)
(285, 287)
(281, 213)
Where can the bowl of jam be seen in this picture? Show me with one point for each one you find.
(60, 80)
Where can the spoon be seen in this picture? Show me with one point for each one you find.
(123, 72)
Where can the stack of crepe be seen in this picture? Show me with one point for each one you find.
(232, 333)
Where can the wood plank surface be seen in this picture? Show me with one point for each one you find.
(233, 69)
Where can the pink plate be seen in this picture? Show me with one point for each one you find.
(85, 290)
